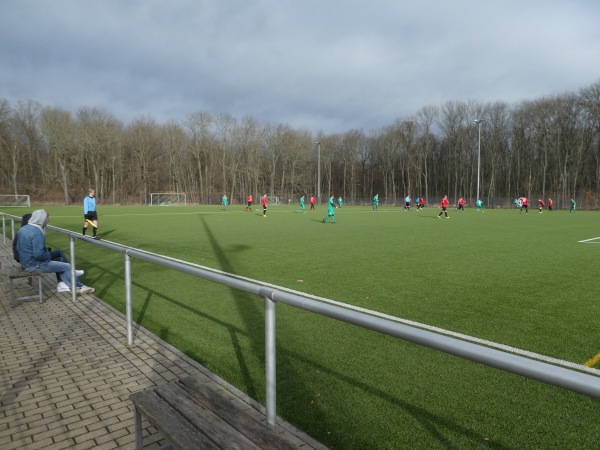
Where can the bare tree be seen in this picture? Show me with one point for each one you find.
(59, 130)
(143, 145)
(425, 119)
(199, 126)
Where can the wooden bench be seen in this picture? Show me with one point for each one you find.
(192, 415)
(12, 273)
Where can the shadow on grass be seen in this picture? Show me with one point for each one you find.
(103, 234)
(245, 301)
(252, 312)
(249, 310)
(433, 423)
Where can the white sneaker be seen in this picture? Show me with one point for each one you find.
(85, 290)
(78, 273)
(62, 287)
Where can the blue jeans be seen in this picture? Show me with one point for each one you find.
(58, 255)
(62, 270)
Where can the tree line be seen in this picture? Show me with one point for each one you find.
(549, 147)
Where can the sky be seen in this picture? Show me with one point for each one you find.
(325, 66)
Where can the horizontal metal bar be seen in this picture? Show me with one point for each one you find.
(558, 376)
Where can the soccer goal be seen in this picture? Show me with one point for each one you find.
(274, 200)
(168, 199)
(15, 200)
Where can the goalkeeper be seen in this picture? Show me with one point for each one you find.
(90, 216)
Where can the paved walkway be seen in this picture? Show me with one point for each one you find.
(66, 373)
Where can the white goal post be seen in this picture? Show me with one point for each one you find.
(273, 200)
(21, 201)
(168, 199)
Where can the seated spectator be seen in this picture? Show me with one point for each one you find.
(24, 221)
(55, 255)
(35, 257)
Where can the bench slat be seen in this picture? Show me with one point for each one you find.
(176, 428)
(208, 422)
(255, 430)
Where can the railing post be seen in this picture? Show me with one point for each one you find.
(128, 313)
(4, 228)
(270, 361)
(72, 259)
(12, 229)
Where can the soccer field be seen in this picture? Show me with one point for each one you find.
(525, 281)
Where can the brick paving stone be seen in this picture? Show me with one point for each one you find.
(63, 443)
(112, 436)
(96, 410)
(51, 433)
(88, 443)
(25, 442)
(103, 425)
(42, 443)
(77, 411)
(5, 438)
(92, 434)
(33, 431)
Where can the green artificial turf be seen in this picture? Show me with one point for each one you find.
(521, 280)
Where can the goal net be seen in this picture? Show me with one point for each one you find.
(273, 200)
(167, 199)
(15, 200)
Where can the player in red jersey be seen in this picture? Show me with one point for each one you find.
(524, 204)
(263, 202)
(444, 206)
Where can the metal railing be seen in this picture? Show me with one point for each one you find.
(537, 370)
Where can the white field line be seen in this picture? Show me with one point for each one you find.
(219, 210)
(465, 337)
(589, 241)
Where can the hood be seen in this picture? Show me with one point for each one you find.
(39, 218)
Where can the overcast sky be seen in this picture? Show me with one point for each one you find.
(319, 65)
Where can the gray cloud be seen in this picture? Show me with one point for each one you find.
(315, 65)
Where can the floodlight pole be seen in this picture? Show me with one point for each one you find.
(318, 172)
(478, 122)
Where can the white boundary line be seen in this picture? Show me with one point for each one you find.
(465, 337)
(588, 241)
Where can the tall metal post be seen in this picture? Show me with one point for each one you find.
(478, 122)
(12, 228)
(73, 262)
(270, 362)
(318, 172)
(128, 313)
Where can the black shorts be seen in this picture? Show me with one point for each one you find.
(249, 204)
(91, 215)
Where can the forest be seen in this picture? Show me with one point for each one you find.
(542, 148)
